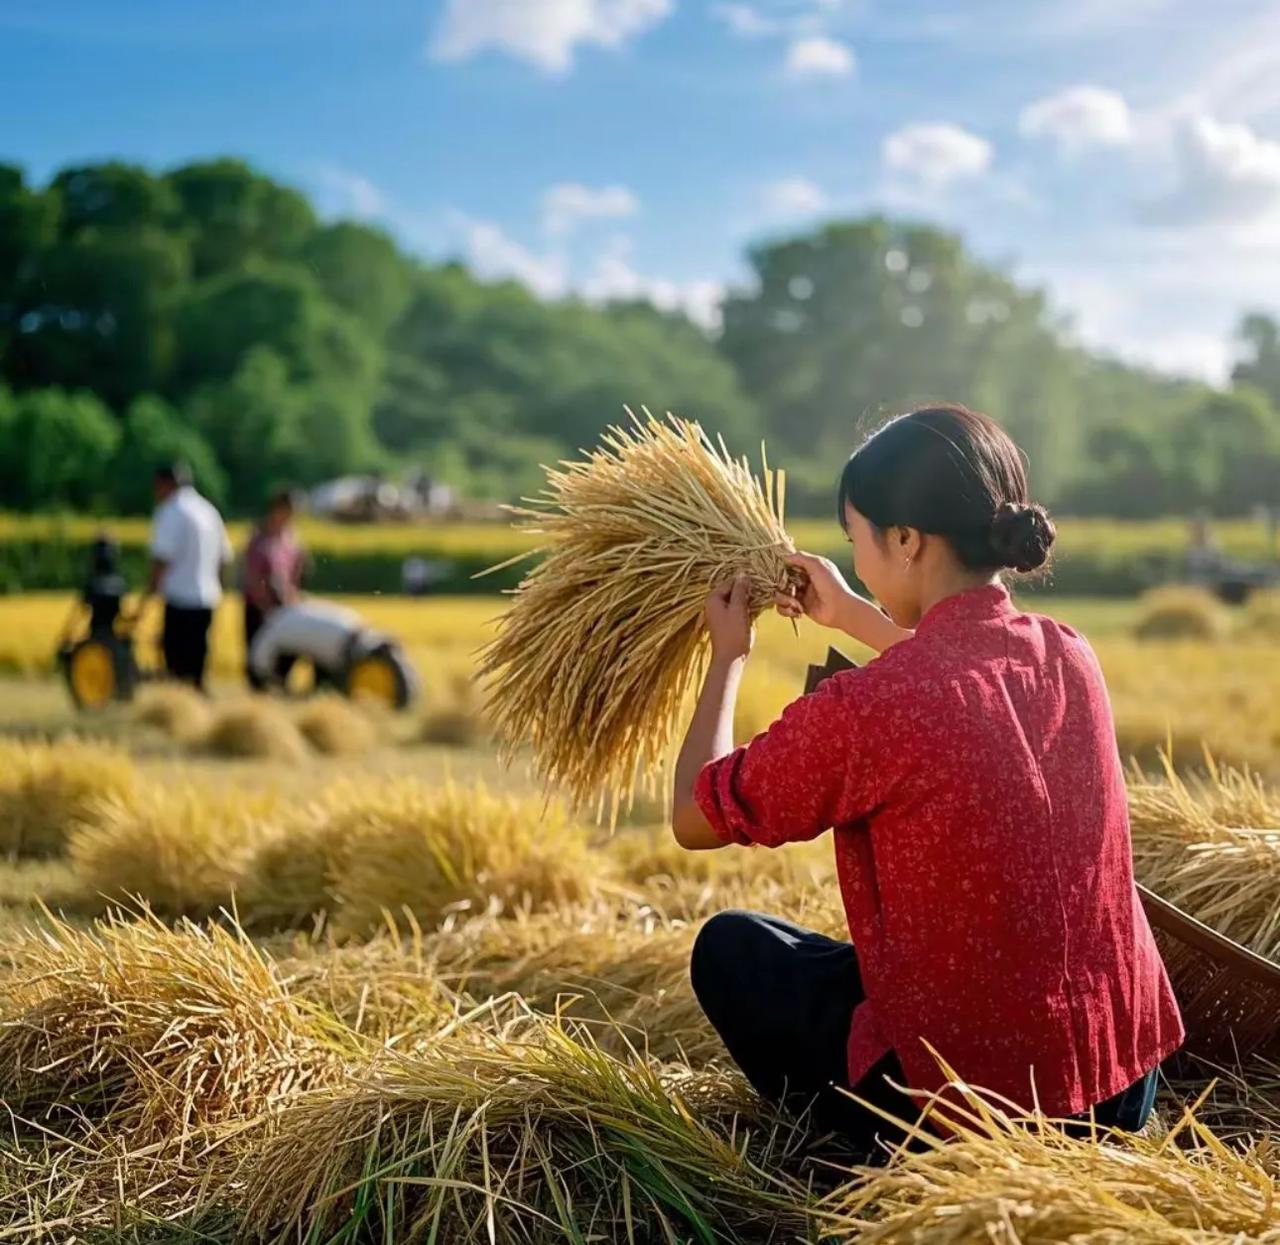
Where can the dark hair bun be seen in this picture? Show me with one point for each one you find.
(1021, 536)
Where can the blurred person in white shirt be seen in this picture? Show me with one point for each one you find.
(189, 551)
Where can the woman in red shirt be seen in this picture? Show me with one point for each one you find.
(971, 777)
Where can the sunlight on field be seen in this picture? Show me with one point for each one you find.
(445, 993)
(1223, 696)
(1119, 541)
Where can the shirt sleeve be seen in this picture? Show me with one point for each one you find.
(164, 535)
(816, 767)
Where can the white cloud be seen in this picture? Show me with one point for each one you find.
(615, 279)
(493, 256)
(545, 33)
(937, 153)
(746, 22)
(1226, 173)
(343, 192)
(794, 196)
(1079, 117)
(565, 206)
(819, 56)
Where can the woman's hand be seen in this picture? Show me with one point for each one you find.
(729, 620)
(824, 597)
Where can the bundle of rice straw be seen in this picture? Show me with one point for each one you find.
(591, 664)
(536, 1136)
(176, 709)
(424, 853)
(182, 849)
(1212, 847)
(47, 789)
(336, 727)
(162, 1030)
(255, 727)
(1006, 1181)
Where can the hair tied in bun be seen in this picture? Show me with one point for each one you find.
(1021, 536)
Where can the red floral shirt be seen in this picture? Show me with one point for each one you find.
(982, 844)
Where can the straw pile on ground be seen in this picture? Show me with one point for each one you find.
(405, 850)
(177, 710)
(257, 728)
(1212, 847)
(1181, 612)
(591, 664)
(48, 789)
(182, 849)
(422, 854)
(335, 727)
(535, 1136)
(1005, 1181)
(162, 1031)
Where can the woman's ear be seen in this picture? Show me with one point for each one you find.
(907, 543)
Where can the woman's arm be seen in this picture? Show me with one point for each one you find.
(710, 733)
(830, 602)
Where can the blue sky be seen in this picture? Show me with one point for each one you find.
(1124, 153)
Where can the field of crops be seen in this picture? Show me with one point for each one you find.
(446, 1011)
(1219, 693)
(1093, 556)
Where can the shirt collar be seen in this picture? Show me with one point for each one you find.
(983, 604)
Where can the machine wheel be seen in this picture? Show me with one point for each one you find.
(98, 670)
(380, 676)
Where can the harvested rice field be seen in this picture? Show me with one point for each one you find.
(288, 971)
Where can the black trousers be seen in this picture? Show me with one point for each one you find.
(782, 1000)
(186, 643)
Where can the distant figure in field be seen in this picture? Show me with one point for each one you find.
(1204, 555)
(103, 591)
(189, 549)
(274, 563)
(325, 634)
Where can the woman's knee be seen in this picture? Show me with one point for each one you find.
(718, 952)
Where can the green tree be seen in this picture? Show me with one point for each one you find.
(278, 307)
(334, 437)
(59, 448)
(253, 423)
(112, 195)
(1233, 441)
(96, 310)
(28, 224)
(870, 316)
(361, 271)
(234, 214)
(154, 434)
(1260, 335)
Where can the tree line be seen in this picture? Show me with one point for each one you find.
(208, 313)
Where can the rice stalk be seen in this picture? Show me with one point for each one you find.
(176, 709)
(47, 789)
(1009, 1181)
(605, 637)
(422, 853)
(164, 1032)
(256, 727)
(334, 726)
(529, 1136)
(183, 850)
(1211, 846)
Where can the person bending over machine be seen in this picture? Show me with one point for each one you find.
(344, 652)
